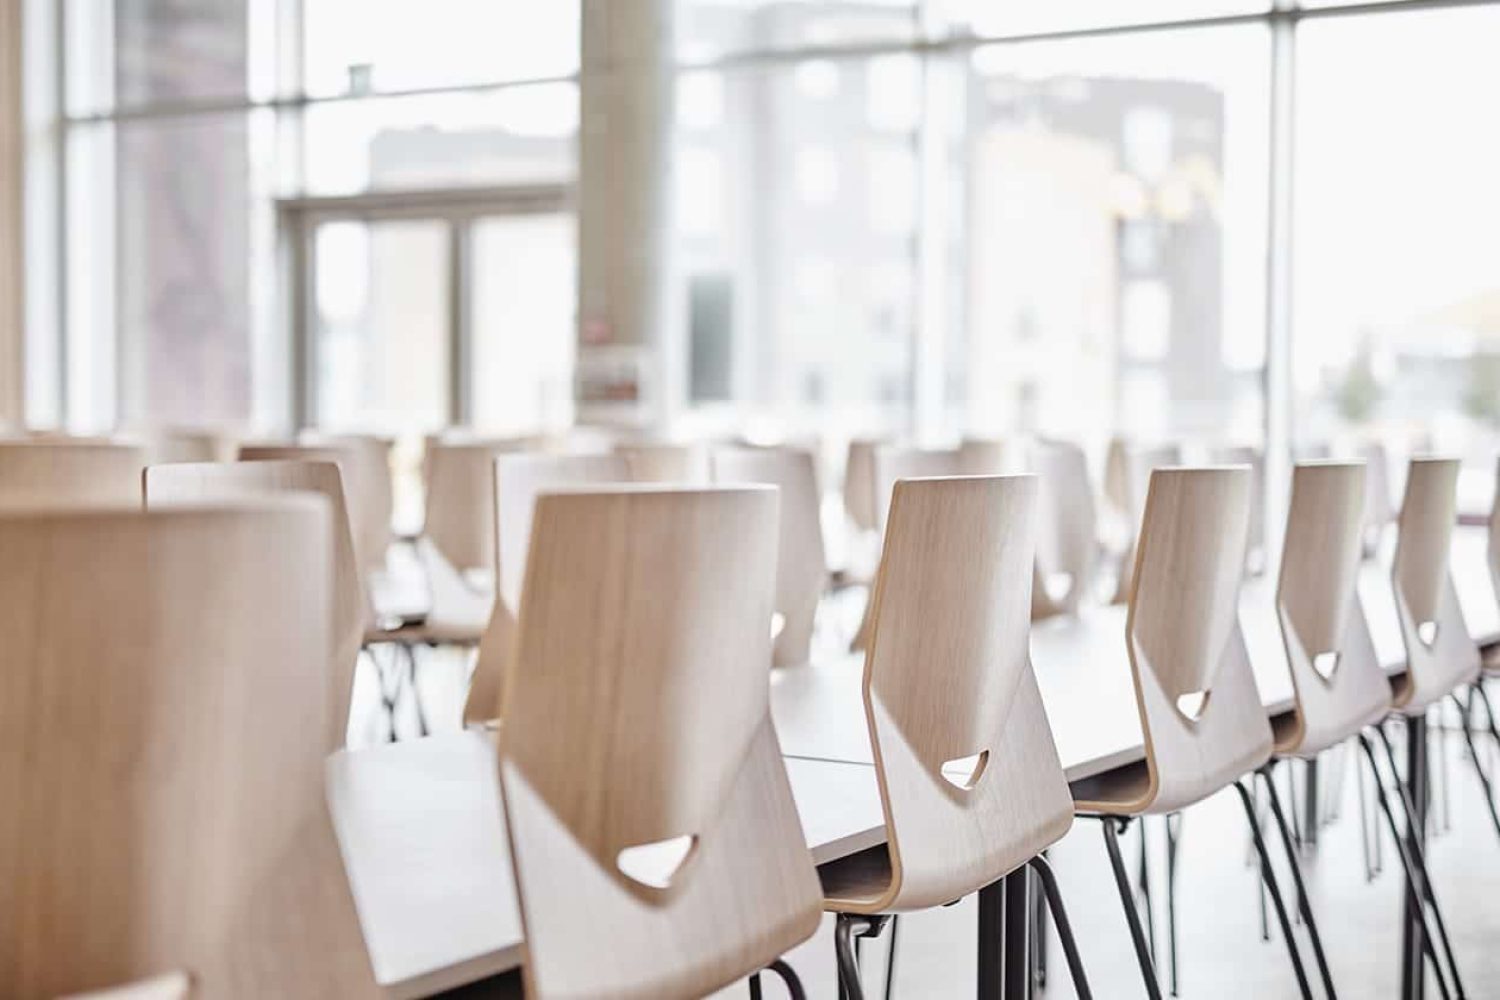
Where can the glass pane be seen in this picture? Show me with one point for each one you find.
(709, 29)
(524, 284)
(1397, 289)
(1111, 237)
(796, 215)
(514, 135)
(195, 262)
(90, 278)
(381, 295)
(134, 53)
(358, 47)
(990, 18)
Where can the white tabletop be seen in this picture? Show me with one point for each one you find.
(423, 838)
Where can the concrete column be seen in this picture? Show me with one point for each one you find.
(12, 217)
(627, 347)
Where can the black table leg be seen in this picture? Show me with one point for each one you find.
(1413, 971)
(1004, 916)
(1310, 797)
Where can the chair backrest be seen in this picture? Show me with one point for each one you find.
(1336, 673)
(1067, 532)
(968, 771)
(48, 472)
(1255, 544)
(1494, 537)
(1134, 465)
(983, 457)
(161, 755)
(859, 483)
(373, 481)
(801, 564)
(195, 484)
(893, 463)
(667, 463)
(519, 479)
(185, 445)
(461, 500)
(362, 501)
(1440, 654)
(639, 766)
(1378, 510)
(1201, 713)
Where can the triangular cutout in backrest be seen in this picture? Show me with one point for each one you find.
(964, 772)
(1190, 706)
(1427, 631)
(1326, 663)
(656, 864)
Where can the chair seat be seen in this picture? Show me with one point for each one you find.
(1119, 786)
(857, 882)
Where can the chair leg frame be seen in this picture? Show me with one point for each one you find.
(847, 928)
(1293, 859)
(1112, 826)
(1419, 857)
(1053, 895)
(788, 976)
(1414, 896)
(1268, 875)
(1477, 693)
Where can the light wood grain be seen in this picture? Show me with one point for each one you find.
(195, 484)
(1067, 546)
(370, 484)
(461, 500)
(801, 565)
(1128, 472)
(60, 472)
(637, 713)
(1254, 459)
(659, 462)
(1378, 510)
(161, 755)
(519, 479)
(1183, 635)
(894, 463)
(362, 505)
(985, 457)
(859, 483)
(1426, 597)
(1321, 615)
(948, 677)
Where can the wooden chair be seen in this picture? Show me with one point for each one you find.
(1256, 557)
(518, 480)
(801, 566)
(667, 463)
(187, 445)
(640, 770)
(178, 830)
(1132, 468)
(969, 776)
(461, 500)
(51, 472)
(1378, 511)
(859, 483)
(984, 457)
(371, 483)
(1201, 714)
(363, 506)
(1067, 546)
(194, 484)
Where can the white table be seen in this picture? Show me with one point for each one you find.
(423, 838)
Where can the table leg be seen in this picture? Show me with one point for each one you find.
(1310, 798)
(1004, 916)
(1413, 971)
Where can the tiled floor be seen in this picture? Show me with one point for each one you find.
(1221, 951)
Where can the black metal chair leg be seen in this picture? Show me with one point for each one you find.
(1413, 893)
(1039, 939)
(1173, 819)
(847, 929)
(1419, 858)
(1269, 875)
(1064, 929)
(1484, 781)
(1127, 899)
(890, 959)
(1302, 901)
(788, 976)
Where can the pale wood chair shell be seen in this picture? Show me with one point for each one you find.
(1067, 546)
(948, 684)
(519, 479)
(1255, 545)
(1201, 713)
(638, 713)
(363, 505)
(47, 472)
(801, 564)
(1378, 510)
(1322, 621)
(1440, 653)
(370, 485)
(859, 483)
(1132, 467)
(176, 824)
(195, 484)
(461, 500)
(667, 463)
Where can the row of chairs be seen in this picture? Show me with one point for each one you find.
(970, 780)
